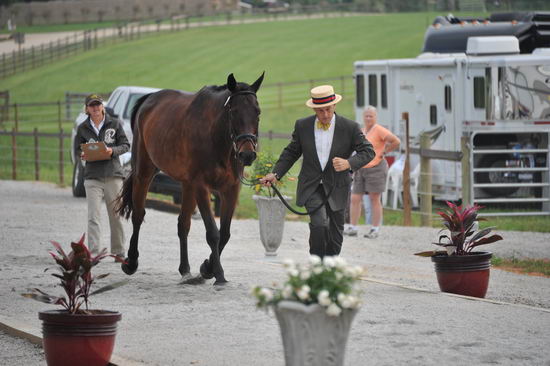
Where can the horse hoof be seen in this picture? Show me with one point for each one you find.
(189, 279)
(206, 272)
(129, 266)
(221, 282)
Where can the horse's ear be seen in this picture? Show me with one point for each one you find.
(258, 82)
(231, 83)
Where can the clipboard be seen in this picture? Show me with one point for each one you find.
(95, 151)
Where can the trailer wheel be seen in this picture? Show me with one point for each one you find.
(496, 161)
(78, 179)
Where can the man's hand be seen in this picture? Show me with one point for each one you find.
(340, 164)
(268, 180)
(110, 151)
(83, 156)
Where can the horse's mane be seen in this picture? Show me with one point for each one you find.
(203, 98)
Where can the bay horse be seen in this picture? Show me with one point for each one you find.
(202, 140)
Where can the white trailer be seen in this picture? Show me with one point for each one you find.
(490, 92)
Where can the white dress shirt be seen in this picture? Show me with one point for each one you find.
(98, 128)
(323, 141)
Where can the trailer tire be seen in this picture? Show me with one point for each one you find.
(78, 179)
(495, 161)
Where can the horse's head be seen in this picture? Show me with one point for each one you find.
(244, 117)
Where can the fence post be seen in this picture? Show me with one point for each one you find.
(59, 114)
(36, 156)
(13, 155)
(407, 216)
(16, 117)
(466, 171)
(61, 168)
(425, 182)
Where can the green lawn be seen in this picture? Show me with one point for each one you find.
(287, 51)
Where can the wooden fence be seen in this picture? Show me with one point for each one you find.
(63, 158)
(62, 113)
(34, 161)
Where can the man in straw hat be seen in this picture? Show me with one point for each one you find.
(326, 141)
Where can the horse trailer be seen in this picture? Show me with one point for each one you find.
(484, 81)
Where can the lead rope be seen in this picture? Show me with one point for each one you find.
(255, 181)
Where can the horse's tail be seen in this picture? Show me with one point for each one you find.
(124, 204)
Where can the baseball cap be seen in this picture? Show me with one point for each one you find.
(93, 98)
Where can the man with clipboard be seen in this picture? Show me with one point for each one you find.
(99, 141)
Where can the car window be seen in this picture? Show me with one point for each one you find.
(130, 105)
(120, 103)
(114, 98)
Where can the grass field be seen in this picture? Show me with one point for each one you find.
(288, 51)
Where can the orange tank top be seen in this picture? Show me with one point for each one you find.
(377, 137)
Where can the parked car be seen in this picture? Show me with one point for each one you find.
(120, 105)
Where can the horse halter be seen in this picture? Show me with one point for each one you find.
(246, 136)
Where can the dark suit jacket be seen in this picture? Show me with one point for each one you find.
(347, 139)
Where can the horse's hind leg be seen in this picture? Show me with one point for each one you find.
(188, 204)
(140, 185)
(211, 267)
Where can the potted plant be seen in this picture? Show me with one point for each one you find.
(314, 308)
(271, 211)
(460, 270)
(77, 335)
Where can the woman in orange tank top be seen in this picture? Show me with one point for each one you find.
(372, 177)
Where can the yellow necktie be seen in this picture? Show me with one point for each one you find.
(323, 126)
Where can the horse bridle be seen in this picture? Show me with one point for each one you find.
(245, 136)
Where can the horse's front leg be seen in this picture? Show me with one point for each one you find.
(228, 203)
(211, 267)
(188, 204)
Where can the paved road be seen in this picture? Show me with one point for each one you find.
(404, 319)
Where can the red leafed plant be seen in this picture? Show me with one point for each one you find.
(462, 224)
(75, 274)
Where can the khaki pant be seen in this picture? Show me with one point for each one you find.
(97, 190)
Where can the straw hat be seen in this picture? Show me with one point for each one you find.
(323, 96)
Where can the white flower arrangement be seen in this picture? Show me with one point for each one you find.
(329, 282)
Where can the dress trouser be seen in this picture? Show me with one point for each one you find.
(326, 226)
(96, 191)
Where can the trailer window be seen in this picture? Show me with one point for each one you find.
(360, 90)
(448, 102)
(479, 92)
(383, 91)
(373, 91)
(433, 115)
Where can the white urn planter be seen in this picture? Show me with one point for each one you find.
(271, 217)
(310, 336)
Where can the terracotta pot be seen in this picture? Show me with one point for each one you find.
(310, 336)
(465, 274)
(78, 339)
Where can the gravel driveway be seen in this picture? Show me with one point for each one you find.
(165, 323)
